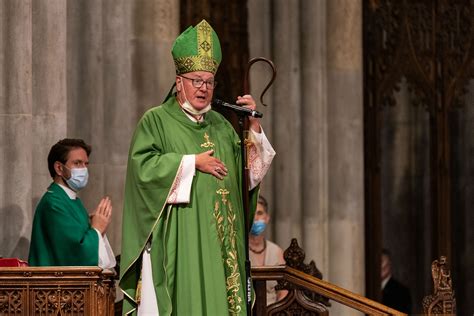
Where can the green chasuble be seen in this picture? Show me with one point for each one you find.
(197, 248)
(62, 234)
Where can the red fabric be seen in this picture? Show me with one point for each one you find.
(12, 262)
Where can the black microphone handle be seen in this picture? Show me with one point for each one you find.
(238, 108)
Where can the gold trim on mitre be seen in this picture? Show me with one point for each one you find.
(205, 59)
(195, 63)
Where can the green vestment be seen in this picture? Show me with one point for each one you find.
(62, 234)
(198, 250)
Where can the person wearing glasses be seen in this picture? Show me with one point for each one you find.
(183, 247)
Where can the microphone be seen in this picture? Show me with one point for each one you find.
(239, 109)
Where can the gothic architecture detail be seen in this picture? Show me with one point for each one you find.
(428, 42)
(429, 46)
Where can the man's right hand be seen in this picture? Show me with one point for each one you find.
(208, 164)
(102, 216)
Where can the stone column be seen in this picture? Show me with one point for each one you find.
(155, 27)
(49, 87)
(287, 121)
(314, 158)
(345, 146)
(86, 98)
(15, 127)
(33, 109)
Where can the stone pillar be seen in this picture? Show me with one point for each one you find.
(86, 98)
(345, 146)
(314, 158)
(32, 112)
(15, 126)
(119, 113)
(49, 88)
(155, 27)
(287, 121)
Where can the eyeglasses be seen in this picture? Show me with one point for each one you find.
(198, 82)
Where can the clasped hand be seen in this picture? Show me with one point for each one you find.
(102, 216)
(206, 163)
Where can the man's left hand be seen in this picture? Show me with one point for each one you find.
(248, 102)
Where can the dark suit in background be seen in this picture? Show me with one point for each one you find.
(397, 296)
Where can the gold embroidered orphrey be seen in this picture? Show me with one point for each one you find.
(223, 192)
(229, 257)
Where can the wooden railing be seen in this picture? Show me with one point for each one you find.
(308, 294)
(313, 284)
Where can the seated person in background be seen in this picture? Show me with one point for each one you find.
(63, 233)
(264, 252)
(394, 294)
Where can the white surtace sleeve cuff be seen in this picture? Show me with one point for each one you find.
(106, 255)
(260, 156)
(181, 190)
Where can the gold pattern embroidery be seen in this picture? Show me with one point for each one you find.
(230, 256)
(195, 63)
(208, 143)
(204, 39)
(223, 193)
(248, 144)
(233, 283)
(219, 222)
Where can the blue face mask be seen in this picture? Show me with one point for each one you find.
(258, 227)
(78, 179)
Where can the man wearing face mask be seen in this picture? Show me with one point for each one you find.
(63, 233)
(264, 252)
(183, 241)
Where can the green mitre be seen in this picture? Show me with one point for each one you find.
(197, 49)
